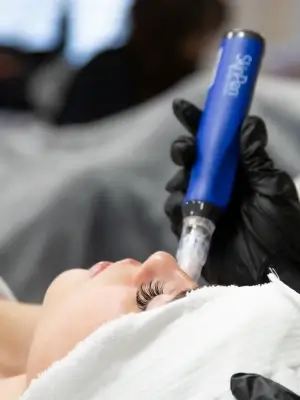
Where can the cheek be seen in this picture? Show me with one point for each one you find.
(63, 326)
(64, 284)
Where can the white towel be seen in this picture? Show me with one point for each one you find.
(188, 349)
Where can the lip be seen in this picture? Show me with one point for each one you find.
(98, 268)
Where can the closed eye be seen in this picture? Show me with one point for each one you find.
(148, 292)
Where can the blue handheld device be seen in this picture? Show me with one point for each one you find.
(212, 177)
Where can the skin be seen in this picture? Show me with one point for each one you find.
(17, 327)
(79, 301)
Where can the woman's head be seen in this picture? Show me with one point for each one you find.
(79, 301)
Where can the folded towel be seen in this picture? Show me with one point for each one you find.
(187, 349)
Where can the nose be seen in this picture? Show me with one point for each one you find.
(163, 267)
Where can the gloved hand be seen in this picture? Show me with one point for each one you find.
(255, 387)
(261, 227)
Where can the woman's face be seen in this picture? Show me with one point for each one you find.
(79, 301)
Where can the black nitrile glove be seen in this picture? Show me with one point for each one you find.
(261, 227)
(255, 387)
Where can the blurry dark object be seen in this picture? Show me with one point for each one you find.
(260, 228)
(169, 40)
(255, 387)
(14, 70)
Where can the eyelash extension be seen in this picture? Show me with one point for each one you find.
(148, 292)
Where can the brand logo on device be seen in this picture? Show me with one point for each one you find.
(237, 75)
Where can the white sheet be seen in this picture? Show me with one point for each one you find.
(186, 350)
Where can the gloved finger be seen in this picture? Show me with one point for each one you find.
(254, 136)
(256, 387)
(187, 114)
(263, 176)
(179, 182)
(183, 151)
(173, 208)
(253, 141)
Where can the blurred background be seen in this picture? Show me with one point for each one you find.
(86, 88)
